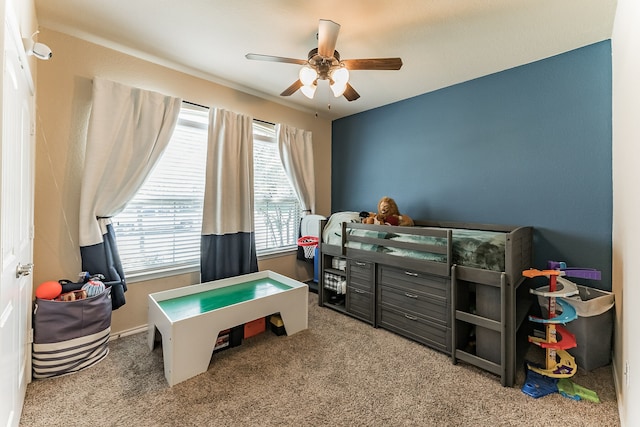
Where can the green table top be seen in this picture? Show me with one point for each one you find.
(203, 302)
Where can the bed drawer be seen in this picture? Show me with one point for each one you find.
(415, 327)
(360, 304)
(414, 281)
(361, 275)
(361, 268)
(417, 303)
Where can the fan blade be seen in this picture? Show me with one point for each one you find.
(259, 57)
(291, 89)
(327, 37)
(373, 64)
(350, 93)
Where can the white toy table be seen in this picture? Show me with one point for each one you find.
(190, 318)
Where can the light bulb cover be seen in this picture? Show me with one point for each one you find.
(309, 90)
(338, 89)
(307, 75)
(340, 76)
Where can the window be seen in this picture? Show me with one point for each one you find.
(159, 230)
(276, 207)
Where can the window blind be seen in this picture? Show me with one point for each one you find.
(276, 207)
(160, 228)
(159, 231)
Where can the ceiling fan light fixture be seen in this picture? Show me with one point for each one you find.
(340, 76)
(309, 90)
(324, 63)
(338, 90)
(339, 80)
(307, 75)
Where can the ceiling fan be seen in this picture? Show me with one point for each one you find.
(324, 63)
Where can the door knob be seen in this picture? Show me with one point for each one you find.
(23, 269)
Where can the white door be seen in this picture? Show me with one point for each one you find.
(16, 216)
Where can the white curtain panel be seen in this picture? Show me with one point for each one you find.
(228, 195)
(129, 128)
(296, 153)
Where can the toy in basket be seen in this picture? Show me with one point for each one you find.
(309, 244)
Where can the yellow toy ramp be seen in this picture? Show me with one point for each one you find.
(564, 368)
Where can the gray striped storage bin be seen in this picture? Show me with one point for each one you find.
(70, 335)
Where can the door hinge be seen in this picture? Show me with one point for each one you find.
(30, 336)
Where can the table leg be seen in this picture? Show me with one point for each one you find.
(294, 312)
(188, 351)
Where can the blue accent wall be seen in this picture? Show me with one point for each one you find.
(527, 146)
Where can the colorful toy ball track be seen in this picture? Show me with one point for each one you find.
(559, 363)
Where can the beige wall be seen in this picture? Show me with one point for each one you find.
(63, 102)
(626, 208)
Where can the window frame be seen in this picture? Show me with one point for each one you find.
(160, 271)
(263, 132)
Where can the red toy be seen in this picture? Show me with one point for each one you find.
(48, 290)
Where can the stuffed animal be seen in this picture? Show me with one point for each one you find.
(367, 217)
(387, 214)
(72, 296)
(93, 287)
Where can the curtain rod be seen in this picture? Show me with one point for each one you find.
(265, 122)
(204, 106)
(195, 105)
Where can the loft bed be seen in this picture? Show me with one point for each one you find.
(483, 262)
(479, 251)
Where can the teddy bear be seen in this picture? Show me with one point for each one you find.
(388, 214)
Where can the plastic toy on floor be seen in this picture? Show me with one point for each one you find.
(571, 390)
(559, 364)
(537, 385)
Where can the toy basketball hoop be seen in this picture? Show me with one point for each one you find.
(309, 244)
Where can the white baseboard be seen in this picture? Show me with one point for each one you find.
(127, 332)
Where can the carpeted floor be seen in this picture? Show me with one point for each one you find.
(339, 372)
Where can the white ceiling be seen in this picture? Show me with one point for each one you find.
(441, 42)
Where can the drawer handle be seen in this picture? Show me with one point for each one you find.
(408, 273)
(360, 264)
(358, 291)
(407, 294)
(410, 317)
